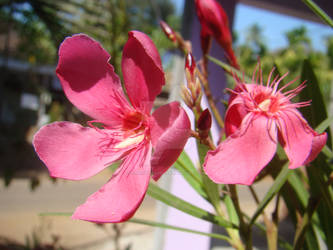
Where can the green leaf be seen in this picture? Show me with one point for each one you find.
(231, 210)
(232, 213)
(187, 163)
(301, 229)
(299, 188)
(319, 12)
(173, 201)
(275, 188)
(166, 226)
(230, 69)
(185, 166)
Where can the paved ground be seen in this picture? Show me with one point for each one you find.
(20, 209)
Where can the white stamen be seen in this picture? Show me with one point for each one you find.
(130, 141)
(264, 105)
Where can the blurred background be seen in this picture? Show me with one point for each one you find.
(31, 96)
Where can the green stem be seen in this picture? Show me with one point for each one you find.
(301, 228)
(319, 12)
(210, 99)
(245, 230)
(270, 232)
(162, 225)
(274, 189)
(173, 201)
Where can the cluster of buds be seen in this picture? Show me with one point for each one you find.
(191, 93)
(176, 38)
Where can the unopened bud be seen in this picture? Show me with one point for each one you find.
(168, 31)
(190, 64)
(185, 94)
(190, 68)
(204, 123)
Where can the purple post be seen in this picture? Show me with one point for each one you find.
(175, 240)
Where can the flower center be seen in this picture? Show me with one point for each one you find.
(134, 121)
(134, 125)
(265, 105)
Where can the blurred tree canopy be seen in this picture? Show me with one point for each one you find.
(41, 25)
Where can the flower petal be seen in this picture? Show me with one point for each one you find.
(142, 71)
(87, 78)
(71, 151)
(299, 141)
(234, 116)
(118, 199)
(319, 141)
(240, 158)
(169, 134)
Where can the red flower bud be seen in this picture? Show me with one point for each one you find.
(214, 22)
(205, 121)
(190, 64)
(168, 31)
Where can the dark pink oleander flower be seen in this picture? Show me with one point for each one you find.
(214, 23)
(258, 117)
(146, 143)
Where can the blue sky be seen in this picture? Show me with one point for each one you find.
(273, 27)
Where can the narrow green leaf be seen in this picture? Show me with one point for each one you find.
(212, 189)
(232, 213)
(182, 229)
(275, 188)
(55, 214)
(295, 208)
(185, 161)
(319, 12)
(298, 187)
(231, 210)
(324, 124)
(230, 69)
(185, 166)
(319, 188)
(195, 183)
(306, 219)
(281, 241)
(173, 201)
(315, 113)
(327, 152)
(301, 191)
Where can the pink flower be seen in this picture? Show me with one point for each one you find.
(257, 118)
(144, 142)
(214, 23)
